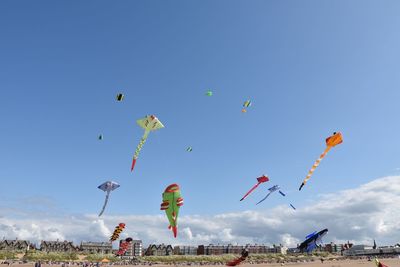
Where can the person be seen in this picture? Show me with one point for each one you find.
(245, 253)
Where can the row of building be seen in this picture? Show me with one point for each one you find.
(165, 250)
(363, 250)
(135, 248)
(68, 247)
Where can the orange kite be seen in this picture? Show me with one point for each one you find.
(331, 141)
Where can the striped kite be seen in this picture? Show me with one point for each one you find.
(118, 230)
(246, 104)
(124, 246)
(379, 264)
(331, 141)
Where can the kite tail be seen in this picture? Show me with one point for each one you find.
(105, 204)
(264, 198)
(317, 162)
(174, 230)
(138, 148)
(235, 261)
(251, 190)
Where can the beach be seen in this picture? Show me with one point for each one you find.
(390, 262)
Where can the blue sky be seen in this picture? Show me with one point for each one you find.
(309, 68)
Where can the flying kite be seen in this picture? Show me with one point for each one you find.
(100, 137)
(120, 97)
(172, 201)
(107, 187)
(117, 231)
(246, 104)
(245, 254)
(124, 246)
(189, 149)
(331, 141)
(260, 180)
(312, 241)
(292, 206)
(271, 190)
(149, 123)
(379, 264)
(209, 93)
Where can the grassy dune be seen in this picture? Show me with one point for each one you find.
(65, 257)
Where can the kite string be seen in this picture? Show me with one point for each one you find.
(317, 162)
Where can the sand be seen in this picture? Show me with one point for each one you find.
(390, 262)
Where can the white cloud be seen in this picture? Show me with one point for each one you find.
(359, 215)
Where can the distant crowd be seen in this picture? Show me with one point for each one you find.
(136, 263)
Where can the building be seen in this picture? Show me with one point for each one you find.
(236, 249)
(337, 248)
(160, 250)
(211, 250)
(57, 246)
(16, 245)
(233, 249)
(185, 250)
(96, 247)
(363, 250)
(257, 249)
(137, 248)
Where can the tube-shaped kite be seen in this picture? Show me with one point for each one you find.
(246, 104)
(237, 261)
(331, 141)
(292, 206)
(260, 180)
(107, 187)
(120, 97)
(271, 190)
(379, 264)
(172, 201)
(124, 246)
(117, 231)
(149, 123)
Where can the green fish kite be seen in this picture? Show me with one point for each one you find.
(172, 201)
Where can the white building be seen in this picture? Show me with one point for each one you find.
(137, 248)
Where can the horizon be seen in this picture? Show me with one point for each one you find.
(309, 68)
(225, 244)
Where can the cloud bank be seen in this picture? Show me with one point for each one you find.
(360, 215)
